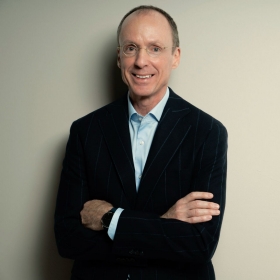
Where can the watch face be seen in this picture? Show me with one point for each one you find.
(106, 219)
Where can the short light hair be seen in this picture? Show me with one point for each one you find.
(146, 8)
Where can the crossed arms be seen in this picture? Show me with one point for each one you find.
(190, 209)
(188, 231)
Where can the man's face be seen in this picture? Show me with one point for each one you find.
(144, 30)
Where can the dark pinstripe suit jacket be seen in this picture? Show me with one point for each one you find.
(188, 154)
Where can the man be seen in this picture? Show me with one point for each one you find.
(144, 177)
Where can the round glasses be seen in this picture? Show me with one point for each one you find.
(132, 50)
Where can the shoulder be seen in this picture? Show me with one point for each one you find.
(90, 122)
(198, 118)
(202, 123)
(117, 105)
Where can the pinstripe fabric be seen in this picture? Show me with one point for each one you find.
(188, 153)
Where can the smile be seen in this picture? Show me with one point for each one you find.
(143, 77)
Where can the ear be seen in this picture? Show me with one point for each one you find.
(118, 58)
(176, 58)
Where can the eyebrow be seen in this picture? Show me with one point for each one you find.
(151, 43)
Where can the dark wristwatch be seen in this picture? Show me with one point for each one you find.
(106, 219)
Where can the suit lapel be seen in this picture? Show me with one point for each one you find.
(171, 131)
(116, 133)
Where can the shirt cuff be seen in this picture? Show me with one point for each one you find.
(114, 222)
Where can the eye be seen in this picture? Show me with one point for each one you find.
(129, 48)
(155, 49)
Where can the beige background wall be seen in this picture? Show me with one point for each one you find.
(57, 63)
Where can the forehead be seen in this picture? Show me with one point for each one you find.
(146, 26)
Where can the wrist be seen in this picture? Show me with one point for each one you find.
(106, 218)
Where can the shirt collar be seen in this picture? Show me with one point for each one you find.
(156, 111)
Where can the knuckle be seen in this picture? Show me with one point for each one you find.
(195, 212)
(192, 195)
(196, 203)
(178, 207)
(192, 220)
(179, 202)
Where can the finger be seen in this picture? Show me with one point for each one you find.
(202, 212)
(198, 204)
(197, 195)
(201, 219)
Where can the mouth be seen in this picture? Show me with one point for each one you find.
(143, 76)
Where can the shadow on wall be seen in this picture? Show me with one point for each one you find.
(49, 263)
(114, 87)
(117, 88)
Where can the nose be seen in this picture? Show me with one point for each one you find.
(141, 58)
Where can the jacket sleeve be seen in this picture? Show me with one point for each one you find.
(147, 236)
(73, 239)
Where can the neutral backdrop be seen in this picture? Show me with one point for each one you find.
(58, 63)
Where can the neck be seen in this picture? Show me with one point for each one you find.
(144, 104)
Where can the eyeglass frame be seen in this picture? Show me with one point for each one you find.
(138, 49)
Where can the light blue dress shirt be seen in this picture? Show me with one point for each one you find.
(142, 130)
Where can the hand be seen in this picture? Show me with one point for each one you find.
(92, 213)
(192, 210)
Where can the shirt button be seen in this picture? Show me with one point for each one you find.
(141, 142)
(140, 176)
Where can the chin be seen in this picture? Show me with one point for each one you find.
(141, 92)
